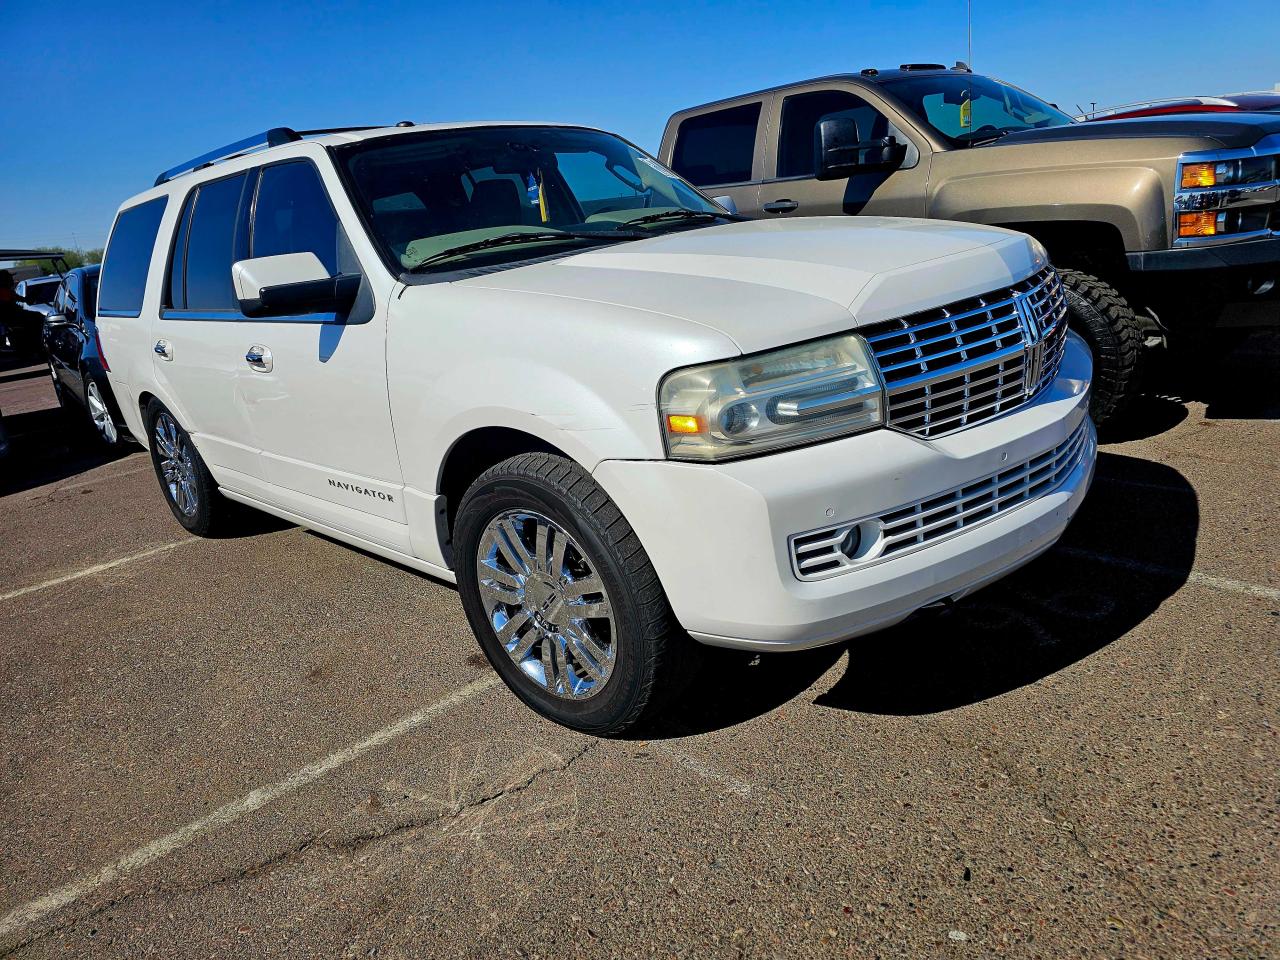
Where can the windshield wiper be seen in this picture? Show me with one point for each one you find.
(516, 237)
(674, 215)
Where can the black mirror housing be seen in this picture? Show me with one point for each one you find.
(842, 154)
(331, 294)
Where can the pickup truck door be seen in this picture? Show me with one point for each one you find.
(316, 385)
(721, 151)
(789, 187)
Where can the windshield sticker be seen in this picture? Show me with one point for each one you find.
(966, 113)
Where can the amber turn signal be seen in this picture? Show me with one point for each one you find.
(1199, 175)
(683, 423)
(1203, 224)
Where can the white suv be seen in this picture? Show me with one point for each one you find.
(531, 360)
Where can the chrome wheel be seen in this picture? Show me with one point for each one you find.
(176, 468)
(546, 603)
(102, 419)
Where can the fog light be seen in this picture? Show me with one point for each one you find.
(1204, 224)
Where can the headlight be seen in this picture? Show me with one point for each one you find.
(753, 404)
(1227, 172)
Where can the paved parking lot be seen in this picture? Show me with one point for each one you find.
(274, 744)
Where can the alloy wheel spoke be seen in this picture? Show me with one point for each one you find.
(583, 587)
(513, 547)
(540, 547)
(582, 611)
(586, 651)
(496, 593)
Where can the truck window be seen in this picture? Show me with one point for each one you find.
(801, 114)
(293, 215)
(716, 148)
(128, 258)
(211, 245)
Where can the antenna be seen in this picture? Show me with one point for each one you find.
(969, 9)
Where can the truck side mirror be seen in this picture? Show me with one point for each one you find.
(291, 283)
(727, 202)
(842, 154)
(837, 148)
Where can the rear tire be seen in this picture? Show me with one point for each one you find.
(537, 528)
(185, 481)
(1107, 323)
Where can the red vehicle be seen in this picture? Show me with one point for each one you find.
(1231, 103)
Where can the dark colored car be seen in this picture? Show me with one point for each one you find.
(76, 361)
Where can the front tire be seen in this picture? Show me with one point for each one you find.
(1107, 323)
(188, 487)
(562, 596)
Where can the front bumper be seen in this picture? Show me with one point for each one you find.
(1248, 254)
(718, 536)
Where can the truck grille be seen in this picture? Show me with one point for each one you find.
(951, 367)
(837, 549)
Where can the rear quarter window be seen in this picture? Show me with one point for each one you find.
(717, 148)
(123, 281)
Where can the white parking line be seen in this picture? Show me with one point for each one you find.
(90, 571)
(34, 911)
(1242, 587)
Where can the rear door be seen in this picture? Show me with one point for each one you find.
(721, 151)
(199, 340)
(789, 187)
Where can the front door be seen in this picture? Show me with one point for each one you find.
(789, 188)
(316, 385)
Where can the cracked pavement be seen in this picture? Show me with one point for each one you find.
(1082, 760)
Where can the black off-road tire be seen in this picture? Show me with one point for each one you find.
(214, 515)
(1107, 323)
(653, 655)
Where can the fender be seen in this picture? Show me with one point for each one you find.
(1129, 198)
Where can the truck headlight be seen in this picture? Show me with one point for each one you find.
(786, 397)
(1224, 173)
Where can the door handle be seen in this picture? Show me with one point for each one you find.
(780, 206)
(259, 358)
(163, 349)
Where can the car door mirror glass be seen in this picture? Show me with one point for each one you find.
(289, 284)
(727, 202)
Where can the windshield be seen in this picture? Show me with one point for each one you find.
(428, 195)
(41, 290)
(969, 110)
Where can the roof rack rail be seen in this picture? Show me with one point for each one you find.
(274, 137)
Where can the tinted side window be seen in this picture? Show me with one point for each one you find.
(801, 115)
(293, 215)
(128, 257)
(717, 147)
(211, 245)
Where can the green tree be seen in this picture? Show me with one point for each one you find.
(74, 258)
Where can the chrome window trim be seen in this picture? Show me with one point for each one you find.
(235, 316)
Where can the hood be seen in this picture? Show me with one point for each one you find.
(1231, 131)
(768, 283)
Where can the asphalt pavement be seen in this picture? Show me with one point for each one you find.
(273, 744)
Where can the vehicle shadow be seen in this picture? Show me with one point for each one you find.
(1130, 547)
(1233, 375)
(46, 446)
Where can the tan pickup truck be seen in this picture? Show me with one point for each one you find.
(1167, 227)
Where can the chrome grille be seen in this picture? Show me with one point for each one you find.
(836, 549)
(954, 366)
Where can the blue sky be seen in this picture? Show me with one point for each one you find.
(103, 96)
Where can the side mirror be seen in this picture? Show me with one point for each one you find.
(728, 203)
(842, 154)
(53, 320)
(291, 283)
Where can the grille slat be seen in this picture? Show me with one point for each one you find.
(819, 554)
(953, 354)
